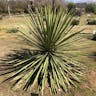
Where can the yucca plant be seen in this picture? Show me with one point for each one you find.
(49, 61)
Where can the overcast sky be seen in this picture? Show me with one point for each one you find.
(81, 0)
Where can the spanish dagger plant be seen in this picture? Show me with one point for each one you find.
(49, 61)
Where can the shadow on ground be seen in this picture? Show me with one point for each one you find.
(33, 94)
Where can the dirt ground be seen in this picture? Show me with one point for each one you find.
(9, 42)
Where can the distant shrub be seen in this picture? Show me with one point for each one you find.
(93, 55)
(1, 17)
(18, 10)
(13, 30)
(78, 12)
(75, 22)
(91, 21)
(94, 37)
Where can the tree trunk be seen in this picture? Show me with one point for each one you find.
(9, 11)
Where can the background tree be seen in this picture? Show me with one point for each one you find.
(3, 7)
(8, 7)
(71, 6)
(21, 6)
(91, 8)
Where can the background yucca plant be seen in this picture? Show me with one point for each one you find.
(49, 61)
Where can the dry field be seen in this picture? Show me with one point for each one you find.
(10, 41)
